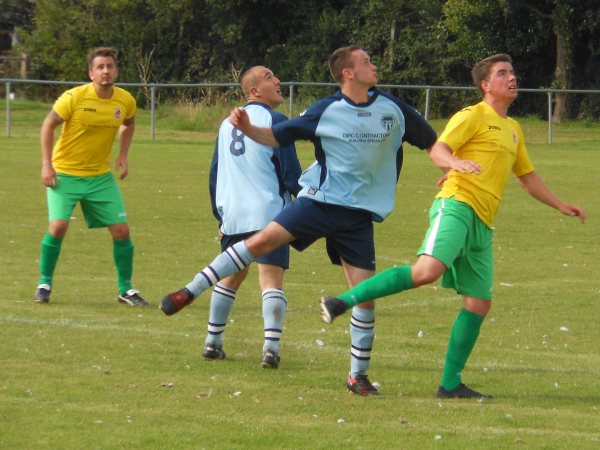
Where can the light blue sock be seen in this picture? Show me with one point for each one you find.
(362, 333)
(221, 303)
(273, 307)
(232, 260)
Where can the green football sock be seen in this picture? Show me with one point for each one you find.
(463, 336)
(390, 281)
(50, 251)
(123, 254)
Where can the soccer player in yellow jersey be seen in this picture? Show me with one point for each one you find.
(478, 150)
(76, 169)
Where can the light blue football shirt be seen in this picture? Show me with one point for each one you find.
(251, 183)
(358, 149)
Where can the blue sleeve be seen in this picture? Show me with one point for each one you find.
(303, 126)
(212, 182)
(290, 168)
(399, 161)
(417, 132)
(287, 157)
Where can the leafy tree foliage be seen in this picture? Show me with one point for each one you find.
(555, 43)
(549, 40)
(17, 13)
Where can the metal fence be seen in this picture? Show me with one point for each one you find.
(291, 85)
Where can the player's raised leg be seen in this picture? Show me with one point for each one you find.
(385, 283)
(234, 259)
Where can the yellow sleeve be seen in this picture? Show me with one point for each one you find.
(64, 105)
(131, 108)
(460, 129)
(523, 164)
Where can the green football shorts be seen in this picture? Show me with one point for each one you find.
(100, 198)
(459, 239)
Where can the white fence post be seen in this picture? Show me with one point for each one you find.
(153, 112)
(427, 100)
(8, 128)
(291, 109)
(549, 117)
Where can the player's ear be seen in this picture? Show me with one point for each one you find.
(485, 84)
(347, 73)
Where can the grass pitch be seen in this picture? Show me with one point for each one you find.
(87, 372)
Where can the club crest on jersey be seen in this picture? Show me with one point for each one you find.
(387, 122)
(117, 113)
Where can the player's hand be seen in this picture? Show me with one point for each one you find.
(49, 178)
(121, 166)
(573, 211)
(465, 166)
(441, 180)
(239, 118)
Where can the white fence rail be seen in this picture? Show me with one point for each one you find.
(153, 87)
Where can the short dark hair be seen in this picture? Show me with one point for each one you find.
(341, 59)
(481, 69)
(248, 79)
(102, 51)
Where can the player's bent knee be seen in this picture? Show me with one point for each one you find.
(258, 244)
(477, 305)
(424, 276)
(427, 270)
(266, 241)
(58, 228)
(119, 231)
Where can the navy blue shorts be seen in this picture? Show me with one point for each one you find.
(348, 232)
(279, 257)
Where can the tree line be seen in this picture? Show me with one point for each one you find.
(554, 43)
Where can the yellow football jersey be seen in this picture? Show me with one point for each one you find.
(91, 123)
(479, 134)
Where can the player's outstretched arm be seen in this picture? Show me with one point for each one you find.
(239, 119)
(535, 186)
